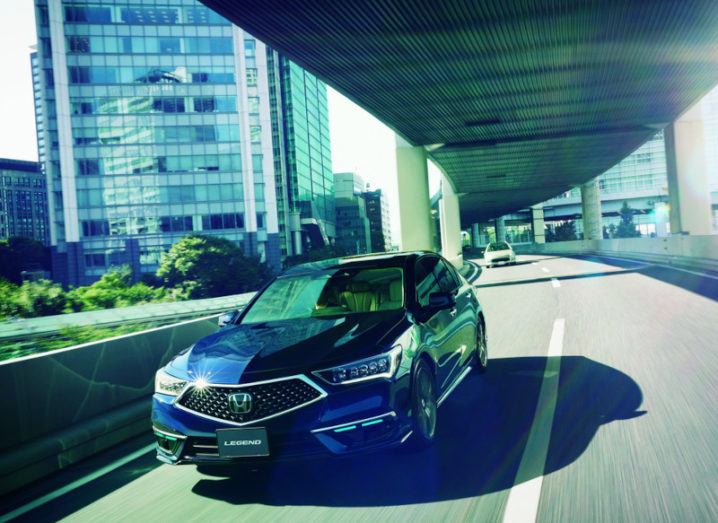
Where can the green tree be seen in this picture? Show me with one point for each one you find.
(19, 254)
(626, 228)
(114, 289)
(35, 298)
(566, 231)
(207, 266)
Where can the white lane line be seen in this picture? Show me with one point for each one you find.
(642, 265)
(555, 283)
(522, 504)
(24, 509)
(701, 274)
(545, 269)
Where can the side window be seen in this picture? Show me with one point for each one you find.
(443, 274)
(425, 279)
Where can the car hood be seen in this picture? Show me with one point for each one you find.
(244, 353)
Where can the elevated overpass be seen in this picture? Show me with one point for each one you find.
(515, 101)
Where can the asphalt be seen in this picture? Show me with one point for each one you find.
(630, 429)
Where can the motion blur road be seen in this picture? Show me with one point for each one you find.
(618, 424)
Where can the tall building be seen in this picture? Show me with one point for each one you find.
(352, 224)
(377, 210)
(23, 200)
(155, 120)
(302, 156)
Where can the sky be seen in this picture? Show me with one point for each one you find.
(360, 143)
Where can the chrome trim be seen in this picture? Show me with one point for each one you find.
(196, 446)
(406, 437)
(391, 414)
(170, 434)
(456, 383)
(322, 395)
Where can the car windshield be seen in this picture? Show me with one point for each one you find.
(499, 246)
(329, 293)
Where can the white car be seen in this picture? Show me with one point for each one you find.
(498, 252)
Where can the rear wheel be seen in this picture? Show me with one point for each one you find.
(423, 406)
(482, 351)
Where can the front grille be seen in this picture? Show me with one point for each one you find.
(268, 399)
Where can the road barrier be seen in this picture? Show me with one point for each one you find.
(692, 252)
(62, 406)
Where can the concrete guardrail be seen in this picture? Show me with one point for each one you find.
(692, 252)
(62, 406)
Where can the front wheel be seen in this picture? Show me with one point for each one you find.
(482, 350)
(424, 407)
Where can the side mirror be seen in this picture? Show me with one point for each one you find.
(441, 300)
(226, 318)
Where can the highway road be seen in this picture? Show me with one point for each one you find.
(599, 405)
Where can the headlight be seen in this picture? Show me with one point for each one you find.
(382, 366)
(166, 384)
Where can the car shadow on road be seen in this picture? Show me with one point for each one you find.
(483, 429)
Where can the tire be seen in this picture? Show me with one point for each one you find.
(481, 357)
(424, 407)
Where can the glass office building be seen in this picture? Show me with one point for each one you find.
(23, 200)
(155, 121)
(640, 180)
(303, 164)
(352, 224)
(377, 210)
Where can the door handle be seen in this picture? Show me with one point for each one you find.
(453, 312)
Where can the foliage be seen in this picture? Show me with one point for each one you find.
(565, 231)
(207, 266)
(19, 254)
(318, 254)
(626, 228)
(114, 289)
(32, 299)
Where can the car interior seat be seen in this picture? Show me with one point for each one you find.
(393, 298)
(360, 297)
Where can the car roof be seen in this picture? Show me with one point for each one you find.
(383, 259)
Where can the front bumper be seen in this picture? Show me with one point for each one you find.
(361, 417)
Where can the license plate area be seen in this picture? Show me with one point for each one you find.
(242, 443)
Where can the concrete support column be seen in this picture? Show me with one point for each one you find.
(688, 189)
(500, 229)
(537, 224)
(450, 223)
(475, 235)
(414, 200)
(591, 206)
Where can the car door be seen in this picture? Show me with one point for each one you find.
(462, 327)
(436, 329)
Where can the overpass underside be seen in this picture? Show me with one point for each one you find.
(515, 101)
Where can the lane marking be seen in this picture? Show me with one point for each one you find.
(555, 283)
(701, 274)
(523, 501)
(545, 269)
(24, 509)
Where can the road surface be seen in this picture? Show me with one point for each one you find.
(599, 405)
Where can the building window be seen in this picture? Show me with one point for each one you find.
(260, 220)
(251, 77)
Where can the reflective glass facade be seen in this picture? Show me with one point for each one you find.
(157, 124)
(300, 127)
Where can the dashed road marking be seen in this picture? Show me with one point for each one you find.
(522, 504)
(555, 283)
(545, 269)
